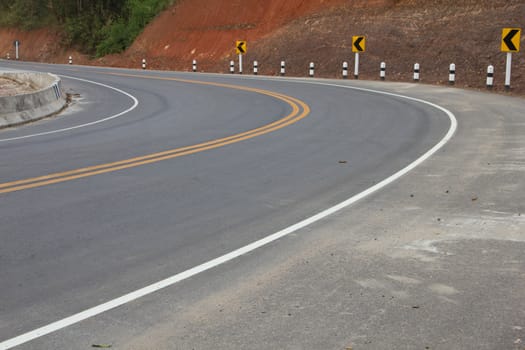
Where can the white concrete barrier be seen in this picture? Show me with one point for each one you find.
(46, 100)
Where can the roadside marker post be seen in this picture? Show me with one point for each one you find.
(255, 68)
(194, 66)
(70, 60)
(490, 77)
(283, 68)
(143, 63)
(416, 72)
(232, 67)
(382, 71)
(8, 56)
(452, 74)
(345, 70)
(510, 42)
(311, 71)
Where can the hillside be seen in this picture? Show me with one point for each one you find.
(399, 32)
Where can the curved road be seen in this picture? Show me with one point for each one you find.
(150, 174)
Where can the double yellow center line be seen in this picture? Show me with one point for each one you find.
(299, 111)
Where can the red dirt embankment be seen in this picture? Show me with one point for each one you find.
(207, 30)
(41, 45)
(399, 32)
(38, 45)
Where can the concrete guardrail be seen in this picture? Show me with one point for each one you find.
(46, 100)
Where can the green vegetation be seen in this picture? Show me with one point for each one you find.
(96, 27)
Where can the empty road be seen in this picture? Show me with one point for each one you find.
(149, 176)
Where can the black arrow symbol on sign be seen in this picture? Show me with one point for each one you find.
(357, 44)
(508, 40)
(240, 47)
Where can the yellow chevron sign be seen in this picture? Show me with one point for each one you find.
(358, 44)
(510, 40)
(240, 47)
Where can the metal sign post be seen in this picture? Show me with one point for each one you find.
(358, 45)
(241, 49)
(17, 45)
(356, 67)
(240, 64)
(510, 42)
(508, 70)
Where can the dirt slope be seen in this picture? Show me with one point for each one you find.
(207, 30)
(433, 34)
(37, 45)
(399, 32)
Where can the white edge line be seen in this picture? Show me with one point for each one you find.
(68, 321)
(135, 104)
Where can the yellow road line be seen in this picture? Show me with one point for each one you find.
(296, 115)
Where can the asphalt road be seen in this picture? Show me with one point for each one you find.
(74, 244)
